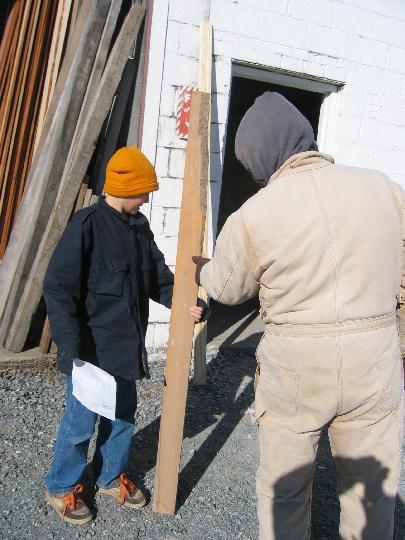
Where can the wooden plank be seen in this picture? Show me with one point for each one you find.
(46, 337)
(53, 65)
(93, 82)
(113, 128)
(192, 216)
(9, 118)
(80, 157)
(27, 99)
(50, 158)
(200, 332)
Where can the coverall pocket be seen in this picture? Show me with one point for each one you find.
(277, 390)
(390, 379)
(111, 275)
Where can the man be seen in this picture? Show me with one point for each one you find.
(102, 274)
(321, 244)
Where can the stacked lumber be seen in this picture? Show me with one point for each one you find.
(24, 50)
(98, 47)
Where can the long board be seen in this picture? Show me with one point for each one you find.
(190, 242)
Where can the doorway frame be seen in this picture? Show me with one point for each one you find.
(329, 88)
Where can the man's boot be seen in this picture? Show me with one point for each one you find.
(70, 507)
(126, 492)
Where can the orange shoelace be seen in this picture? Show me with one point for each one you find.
(72, 500)
(126, 487)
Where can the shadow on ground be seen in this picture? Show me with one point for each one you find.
(220, 406)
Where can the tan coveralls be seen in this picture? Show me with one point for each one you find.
(322, 246)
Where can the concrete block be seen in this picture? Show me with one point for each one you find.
(235, 18)
(176, 163)
(157, 220)
(158, 313)
(168, 246)
(281, 6)
(169, 193)
(396, 59)
(167, 135)
(168, 101)
(284, 30)
(355, 155)
(367, 51)
(389, 29)
(348, 128)
(189, 40)
(188, 11)
(180, 70)
(161, 335)
(172, 220)
(386, 7)
(376, 133)
(327, 41)
(353, 20)
(313, 11)
(162, 161)
(383, 82)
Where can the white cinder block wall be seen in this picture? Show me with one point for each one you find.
(360, 43)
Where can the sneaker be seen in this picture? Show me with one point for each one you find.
(70, 507)
(126, 492)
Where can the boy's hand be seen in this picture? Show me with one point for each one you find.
(199, 261)
(197, 313)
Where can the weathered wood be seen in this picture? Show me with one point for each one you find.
(46, 337)
(55, 55)
(98, 107)
(200, 332)
(116, 119)
(26, 100)
(50, 158)
(192, 216)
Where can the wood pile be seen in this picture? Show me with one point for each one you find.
(25, 47)
(95, 38)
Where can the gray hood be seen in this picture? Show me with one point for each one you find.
(270, 132)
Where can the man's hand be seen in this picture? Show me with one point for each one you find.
(196, 312)
(199, 261)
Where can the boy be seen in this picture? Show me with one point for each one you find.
(97, 289)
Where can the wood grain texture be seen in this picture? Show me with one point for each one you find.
(190, 242)
(50, 158)
(200, 331)
(98, 105)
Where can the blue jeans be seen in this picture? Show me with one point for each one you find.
(75, 431)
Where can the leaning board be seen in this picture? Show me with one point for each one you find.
(190, 242)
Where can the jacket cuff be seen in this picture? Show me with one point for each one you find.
(68, 351)
(65, 356)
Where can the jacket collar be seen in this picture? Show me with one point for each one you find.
(303, 161)
(137, 219)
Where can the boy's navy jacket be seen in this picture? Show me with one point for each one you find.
(97, 287)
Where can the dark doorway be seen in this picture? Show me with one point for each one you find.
(240, 326)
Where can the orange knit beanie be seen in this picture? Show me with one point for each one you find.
(129, 173)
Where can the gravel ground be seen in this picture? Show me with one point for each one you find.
(216, 486)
